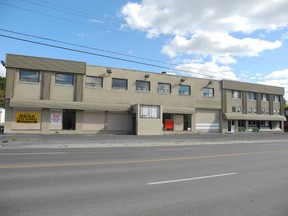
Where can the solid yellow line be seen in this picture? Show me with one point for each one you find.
(139, 161)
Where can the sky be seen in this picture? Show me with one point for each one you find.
(240, 40)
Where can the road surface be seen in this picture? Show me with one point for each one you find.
(201, 180)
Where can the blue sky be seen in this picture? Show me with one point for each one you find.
(221, 39)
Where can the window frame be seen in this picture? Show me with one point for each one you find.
(236, 94)
(164, 90)
(254, 98)
(276, 98)
(120, 87)
(149, 109)
(184, 92)
(27, 79)
(208, 95)
(66, 83)
(266, 98)
(142, 89)
(94, 84)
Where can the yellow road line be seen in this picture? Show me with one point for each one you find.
(139, 161)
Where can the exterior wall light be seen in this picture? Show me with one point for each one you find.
(182, 80)
(210, 83)
(146, 76)
(109, 71)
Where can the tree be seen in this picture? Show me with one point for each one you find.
(2, 91)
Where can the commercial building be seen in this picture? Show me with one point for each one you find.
(58, 96)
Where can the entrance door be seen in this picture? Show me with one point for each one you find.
(69, 119)
(231, 126)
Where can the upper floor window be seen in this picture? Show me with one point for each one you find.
(164, 88)
(237, 109)
(262, 110)
(276, 98)
(252, 96)
(208, 92)
(184, 90)
(252, 110)
(64, 79)
(264, 97)
(92, 81)
(29, 76)
(119, 84)
(142, 85)
(236, 94)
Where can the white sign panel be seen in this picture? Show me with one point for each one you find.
(56, 118)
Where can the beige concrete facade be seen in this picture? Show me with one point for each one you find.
(58, 96)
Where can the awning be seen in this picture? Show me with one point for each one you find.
(50, 104)
(253, 117)
(178, 110)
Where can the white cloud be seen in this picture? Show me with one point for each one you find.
(217, 30)
(277, 78)
(218, 43)
(2, 71)
(172, 17)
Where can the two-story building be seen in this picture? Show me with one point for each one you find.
(58, 96)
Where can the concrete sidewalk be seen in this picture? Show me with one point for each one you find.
(23, 141)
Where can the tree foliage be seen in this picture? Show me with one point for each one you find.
(2, 91)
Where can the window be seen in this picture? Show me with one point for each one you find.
(255, 110)
(208, 92)
(236, 94)
(164, 88)
(252, 96)
(253, 124)
(143, 85)
(262, 110)
(252, 110)
(184, 90)
(264, 124)
(276, 112)
(264, 97)
(150, 111)
(119, 84)
(64, 79)
(94, 81)
(276, 98)
(29, 76)
(239, 109)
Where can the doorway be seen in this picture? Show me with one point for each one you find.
(69, 119)
(231, 126)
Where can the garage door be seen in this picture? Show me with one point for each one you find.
(207, 121)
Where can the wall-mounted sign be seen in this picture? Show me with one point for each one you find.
(27, 117)
(56, 118)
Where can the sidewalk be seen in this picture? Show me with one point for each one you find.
(26, 141)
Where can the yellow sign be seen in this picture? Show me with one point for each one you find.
(27, 117)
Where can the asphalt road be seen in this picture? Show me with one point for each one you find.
(201, 180)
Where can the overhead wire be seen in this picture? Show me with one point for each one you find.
(83, 14)
(117, 53)
(99, 55)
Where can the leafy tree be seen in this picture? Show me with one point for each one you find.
(2, 91)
